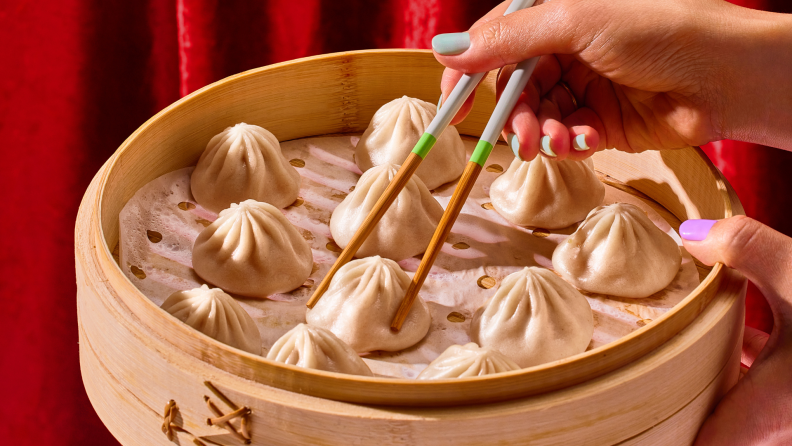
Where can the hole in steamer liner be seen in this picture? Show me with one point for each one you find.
(497, 168)
(455, 317)
(154, 236)
(139, 273)
(486, 282)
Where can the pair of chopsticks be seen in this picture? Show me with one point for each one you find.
(489, 137)
(492, 131)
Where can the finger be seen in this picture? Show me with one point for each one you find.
(522, 131)
(585, 130)
(562, 99)
(544, 78)
(583, 139)
(451, 76)
(753, 342)
(762, 254)
(447, 84)
(545, 29)
(554, 136)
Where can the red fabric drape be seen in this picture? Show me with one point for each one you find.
(78, 76)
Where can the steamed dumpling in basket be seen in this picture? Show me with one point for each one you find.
(406, 228)
(360, 304)
(464, 361)
(244, 162)
(545, 193)
(534, 317)
(618, 251)
(217, 315)
(317, 348)
(252, 250)
(393, 132)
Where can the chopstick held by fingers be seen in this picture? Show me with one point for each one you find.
(450, 107)
(515, 86)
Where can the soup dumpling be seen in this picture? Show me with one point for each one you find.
(252, 250)
(360, 304)
(545, 193)
(316, 348)
(534, 318)
(406, 228)
(464, 361)
(393, 132)
(618, 251)
(244, 162)
(217, 315)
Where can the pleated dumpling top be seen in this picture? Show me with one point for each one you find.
(244, 162)
(393, 132)
(617, 250)
(252, 250)
(316, 348)
(464, 361)
(534, 318)
(545, 193)
(217, 315)
(360, 304)
(406, 228)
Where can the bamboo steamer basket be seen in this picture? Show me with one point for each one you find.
(653, 386)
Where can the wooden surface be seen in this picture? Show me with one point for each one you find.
(382, 205)
(135, 358)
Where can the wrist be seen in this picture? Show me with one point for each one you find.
(754, 78)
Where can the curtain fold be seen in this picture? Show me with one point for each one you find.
(79, 76)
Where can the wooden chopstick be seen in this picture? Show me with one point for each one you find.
(439, 237)
(489, 137)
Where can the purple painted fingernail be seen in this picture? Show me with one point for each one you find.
(695, 230)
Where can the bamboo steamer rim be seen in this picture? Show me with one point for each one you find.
(489, 388)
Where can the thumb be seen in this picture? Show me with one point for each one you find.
(762, 254)
(544, 29)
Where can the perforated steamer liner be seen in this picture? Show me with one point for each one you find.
(654, 386)
(161, 221)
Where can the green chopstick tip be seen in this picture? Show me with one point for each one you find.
(481, 153)
(424, 145)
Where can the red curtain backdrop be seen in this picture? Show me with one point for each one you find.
(78, 76)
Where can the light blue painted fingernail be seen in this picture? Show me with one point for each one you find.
(440, 102)
(579, 143)
(695, 230)
(514, 143)
(451, 44)
(547, 148)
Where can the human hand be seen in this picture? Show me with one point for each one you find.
(758, 410)
(644, 74)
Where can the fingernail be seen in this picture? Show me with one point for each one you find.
(514, 143)
(579, 143)
(451, 44)
(547, 148)
(695, 230)
(440, 102)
